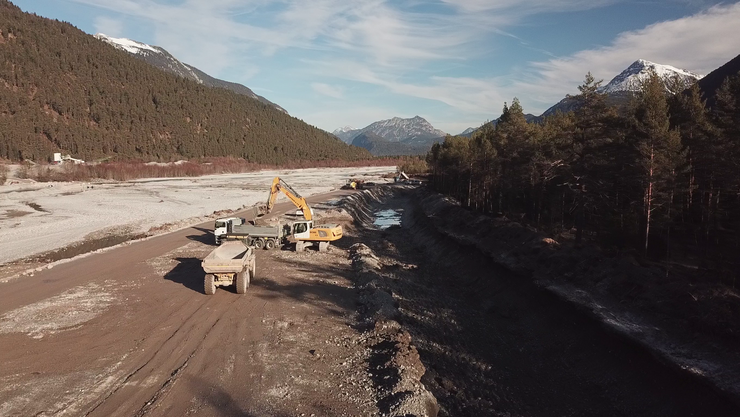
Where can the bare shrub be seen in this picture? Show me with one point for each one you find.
(131, 170)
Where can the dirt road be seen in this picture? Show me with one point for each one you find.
(130, 332)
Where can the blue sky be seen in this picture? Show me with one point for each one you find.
(333, 63)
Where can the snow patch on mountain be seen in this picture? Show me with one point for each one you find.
(398, 129)
(127, 45)
(344, 129)
(632, 78)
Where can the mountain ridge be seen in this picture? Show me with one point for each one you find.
(713, 81)
(162, 59)
(633, 76)
(415, 135)
(80, 96)
(395, 129)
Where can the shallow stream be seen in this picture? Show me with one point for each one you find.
(387, 218)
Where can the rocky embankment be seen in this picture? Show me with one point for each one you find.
(688, 323)
(394, 365)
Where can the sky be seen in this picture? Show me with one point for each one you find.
(335, 63)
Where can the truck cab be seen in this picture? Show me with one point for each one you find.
(221, 227)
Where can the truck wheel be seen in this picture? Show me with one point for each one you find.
(323, 246)
(242, 281)
(259, 243)
(270, 244)
(210, 284)
(299, 246)
(253, 269)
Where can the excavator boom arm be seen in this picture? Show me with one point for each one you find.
(300, 202)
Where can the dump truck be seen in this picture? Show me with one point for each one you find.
(221, 227)
(232, 263)
(261, 237)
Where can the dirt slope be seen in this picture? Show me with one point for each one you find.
(494, 343)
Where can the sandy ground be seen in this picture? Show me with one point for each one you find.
(129, 331)
(40, 217)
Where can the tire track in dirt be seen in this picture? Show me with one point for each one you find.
(185, 341)
(150, 362)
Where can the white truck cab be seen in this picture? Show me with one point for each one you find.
(220, 227)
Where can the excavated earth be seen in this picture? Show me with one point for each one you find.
(421, 318)
(497, 336)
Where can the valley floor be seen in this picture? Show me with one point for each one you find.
(39, 218)
(398, 321)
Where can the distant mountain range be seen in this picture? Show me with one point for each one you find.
(396, 136)
(160, 58)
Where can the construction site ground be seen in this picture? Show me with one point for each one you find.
(393, 321)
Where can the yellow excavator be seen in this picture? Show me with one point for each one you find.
(304, 232)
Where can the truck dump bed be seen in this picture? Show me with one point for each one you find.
(229, 257)
(256, 231)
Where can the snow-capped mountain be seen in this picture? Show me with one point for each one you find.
(344, 129)
(623, 86)
(415, 129)
(160, 58)
(468, 131)
(345, 133)
(632, 78)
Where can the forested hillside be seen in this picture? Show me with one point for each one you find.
(62, 90)
(661, 180)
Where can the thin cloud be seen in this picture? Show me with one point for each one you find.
(518, 7)
(385, 44)
(109, 26)
(698, 43)
(327, 90)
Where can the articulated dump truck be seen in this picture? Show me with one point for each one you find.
(231, 263)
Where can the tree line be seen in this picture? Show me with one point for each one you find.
(62, 90)
(659, 177)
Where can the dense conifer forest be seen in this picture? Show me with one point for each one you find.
(62, 90)
(660, 179)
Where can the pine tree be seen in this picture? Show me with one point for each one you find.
(590, 133)
(660, 153)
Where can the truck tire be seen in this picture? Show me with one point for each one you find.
(210, 284)
(253, 269)
(299, 246)
(259, 243)
(323, 246)
(270, 244)
(242, 281)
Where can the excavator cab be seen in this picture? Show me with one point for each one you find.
(301, 230)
